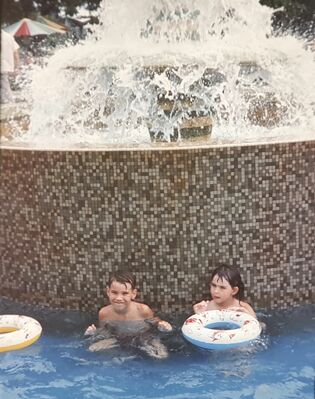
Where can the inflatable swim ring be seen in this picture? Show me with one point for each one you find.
(221, 329)
(17, 332)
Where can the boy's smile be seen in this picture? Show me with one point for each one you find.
(120, 295)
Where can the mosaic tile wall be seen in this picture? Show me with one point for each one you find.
(70, 218)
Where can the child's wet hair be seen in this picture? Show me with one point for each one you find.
(123, 277)
(232, 275)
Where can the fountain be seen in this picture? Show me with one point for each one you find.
(162, 144)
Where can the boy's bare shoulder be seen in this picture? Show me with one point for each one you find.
(104, 313)
(144, 310)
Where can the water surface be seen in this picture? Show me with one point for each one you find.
(279, 365)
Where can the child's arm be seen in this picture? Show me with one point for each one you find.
(162, 325)
(244, 307)
(201, 307)
(101, 317)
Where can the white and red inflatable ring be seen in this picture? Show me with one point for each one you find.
(221, 329)
(17, 332)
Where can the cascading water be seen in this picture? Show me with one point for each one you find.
(152, 65)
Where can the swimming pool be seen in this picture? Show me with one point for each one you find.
(280, 365)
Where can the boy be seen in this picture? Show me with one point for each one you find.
(127, 322)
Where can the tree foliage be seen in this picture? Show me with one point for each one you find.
(12, 10)
(293, 8)
(296, 16)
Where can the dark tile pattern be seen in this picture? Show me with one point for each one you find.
(69, 218)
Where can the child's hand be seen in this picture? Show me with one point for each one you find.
(90, 330)
(164, 326)
(201, 307)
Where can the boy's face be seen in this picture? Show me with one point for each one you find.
(120, 295)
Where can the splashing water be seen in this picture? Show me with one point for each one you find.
(151, 65)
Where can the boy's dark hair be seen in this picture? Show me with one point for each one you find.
(232, 275)
(123, 277)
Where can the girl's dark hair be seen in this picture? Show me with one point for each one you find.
(232, 275)
(123, 277)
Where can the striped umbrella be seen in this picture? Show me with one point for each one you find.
(28, 27)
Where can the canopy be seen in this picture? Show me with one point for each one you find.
(50, 23)
(28, 27)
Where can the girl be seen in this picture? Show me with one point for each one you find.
(227, 291)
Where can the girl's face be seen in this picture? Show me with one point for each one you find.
(221, 290)
(120, 295)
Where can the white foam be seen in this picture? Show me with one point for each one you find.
(91, 93)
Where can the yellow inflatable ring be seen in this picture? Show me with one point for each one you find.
(17, 332)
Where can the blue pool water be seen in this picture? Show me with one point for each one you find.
(280, 365)
(223, 325)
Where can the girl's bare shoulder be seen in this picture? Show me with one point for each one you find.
(248, 308)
